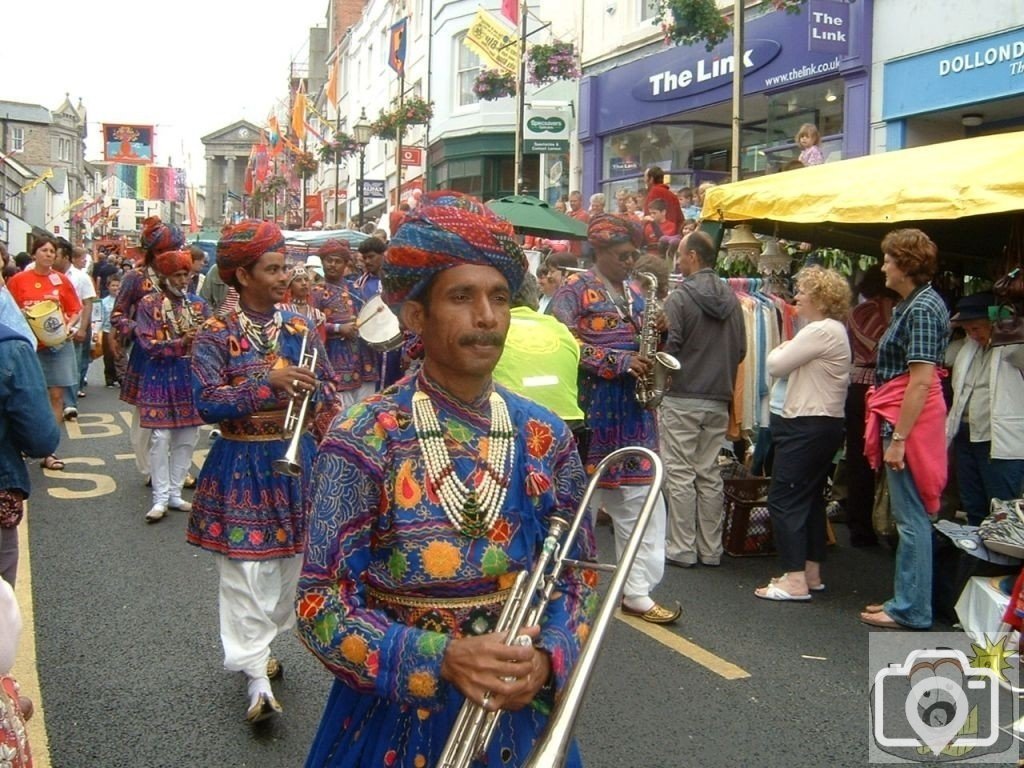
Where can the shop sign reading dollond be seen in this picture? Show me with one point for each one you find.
(704, 74)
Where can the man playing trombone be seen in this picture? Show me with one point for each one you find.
(428, 499)
(247, 367)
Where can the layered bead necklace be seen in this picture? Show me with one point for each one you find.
(263, 336)
(471, 510)
(180, 316)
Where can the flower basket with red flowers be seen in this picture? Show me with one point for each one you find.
(554, 61)
(340, 147)
(492, 84)
(685, 22)
(413, 111)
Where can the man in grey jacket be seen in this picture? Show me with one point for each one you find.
(707, 336)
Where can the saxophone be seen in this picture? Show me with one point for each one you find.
(650, 389)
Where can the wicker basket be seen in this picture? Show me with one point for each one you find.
(747, 529)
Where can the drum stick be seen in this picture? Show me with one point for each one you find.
(365, 320)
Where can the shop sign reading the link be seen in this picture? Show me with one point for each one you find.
(706, 73)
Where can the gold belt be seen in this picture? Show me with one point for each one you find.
(451, 603)
(262, 426)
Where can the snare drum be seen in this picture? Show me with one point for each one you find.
(378, 325)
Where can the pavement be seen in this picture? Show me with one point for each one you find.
(122, 617)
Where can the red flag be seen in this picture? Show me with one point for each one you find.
(510, 10)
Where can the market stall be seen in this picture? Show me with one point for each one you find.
(965, 194)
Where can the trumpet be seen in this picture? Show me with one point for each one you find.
(474, 726)
(295, 423)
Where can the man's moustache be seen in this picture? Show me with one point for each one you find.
(482, 340)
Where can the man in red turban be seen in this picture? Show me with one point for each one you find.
(247, 367)
(335, 300)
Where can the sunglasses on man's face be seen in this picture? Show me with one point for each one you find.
(628, 256)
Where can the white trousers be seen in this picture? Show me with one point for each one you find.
(623, 507)
(170, 457)
(257, 603)
(140, 442)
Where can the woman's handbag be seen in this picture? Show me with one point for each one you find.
(1010, 287)
(1003, 529)
(96, 350)
(1008, 328)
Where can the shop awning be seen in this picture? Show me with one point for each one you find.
(964, 194)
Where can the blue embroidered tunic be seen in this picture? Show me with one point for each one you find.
(607, 391)
(242, 508)
(163, 393)
(383, 565)
(137, 284)
(334, 300)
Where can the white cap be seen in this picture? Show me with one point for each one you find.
(314, 264)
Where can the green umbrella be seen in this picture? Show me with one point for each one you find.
(532, 216)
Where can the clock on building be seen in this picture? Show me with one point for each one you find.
(243, 133)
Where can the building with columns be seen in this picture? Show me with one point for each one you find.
(227, 153)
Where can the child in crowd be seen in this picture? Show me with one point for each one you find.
(809, 140)
(657, 225)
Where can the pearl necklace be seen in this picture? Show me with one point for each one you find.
(471, 510)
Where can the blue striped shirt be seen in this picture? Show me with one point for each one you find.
(918, 333)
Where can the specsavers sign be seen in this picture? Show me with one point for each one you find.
(546, 129)
(493, 42)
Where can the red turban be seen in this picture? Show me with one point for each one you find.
(242, 245)
(167, 263)
(334, 248)
(157, 237)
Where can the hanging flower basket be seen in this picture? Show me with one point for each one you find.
(340, 147)
(685, 22)
(305, 164)
(384, 126)
(555, 61)
(492, 84)
(413, 111)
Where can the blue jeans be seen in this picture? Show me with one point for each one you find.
(982, 478)
(911, 604)
(71, 393)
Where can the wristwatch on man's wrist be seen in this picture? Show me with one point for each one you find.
(898, 438)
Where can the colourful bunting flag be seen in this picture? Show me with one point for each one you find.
(148, 182)
(396, 58)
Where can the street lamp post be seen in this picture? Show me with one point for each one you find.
(361, 136)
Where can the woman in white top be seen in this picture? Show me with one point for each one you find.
(812, 373)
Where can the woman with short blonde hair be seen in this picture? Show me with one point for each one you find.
(808, 403)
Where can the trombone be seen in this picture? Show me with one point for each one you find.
(474, 725)
(295, 423)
